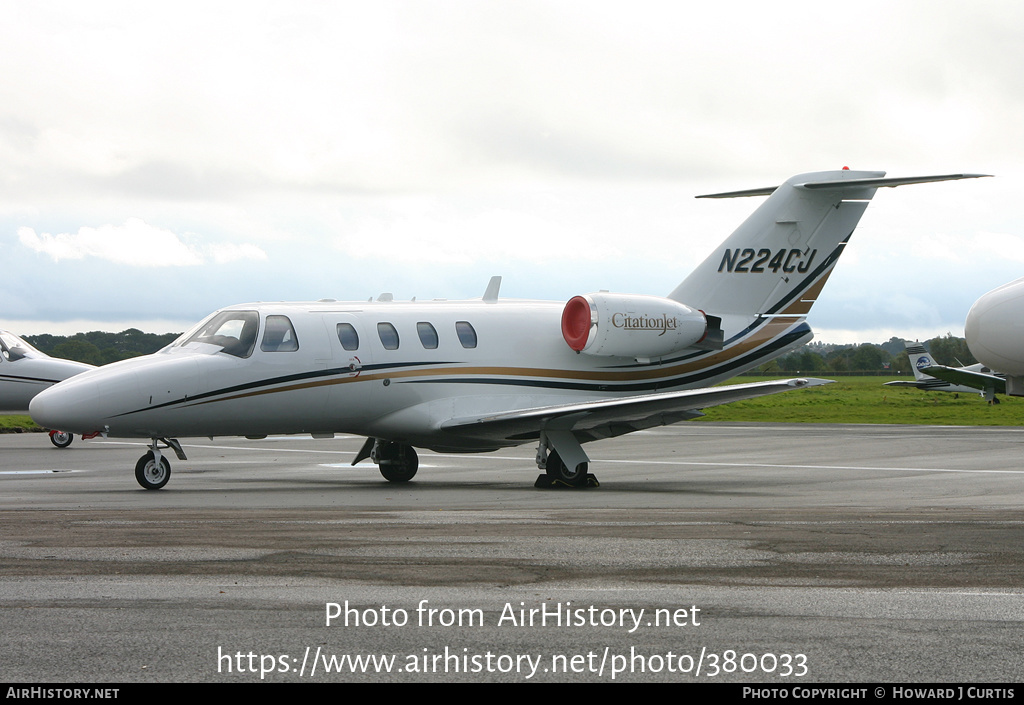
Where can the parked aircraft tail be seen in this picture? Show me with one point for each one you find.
(779, 258)
(919, 359)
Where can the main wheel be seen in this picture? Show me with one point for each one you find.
(397, 462)
(61, 439)
(150, 474)
(558, 471)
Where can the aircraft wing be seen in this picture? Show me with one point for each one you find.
(968, 378)
(903, 383)
(605, 418)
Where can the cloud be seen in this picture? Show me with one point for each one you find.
(137, 244)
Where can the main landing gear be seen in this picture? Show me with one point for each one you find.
(558, 473)
(153, 471)
(559, 454)
(397, 462)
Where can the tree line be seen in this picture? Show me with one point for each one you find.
(888, 358)
(99, 348)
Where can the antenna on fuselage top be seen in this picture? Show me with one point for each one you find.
(491, 293)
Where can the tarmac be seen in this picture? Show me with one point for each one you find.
(780, 554)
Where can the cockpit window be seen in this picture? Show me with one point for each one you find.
(279, 335)
(233, 331)
(14, 348)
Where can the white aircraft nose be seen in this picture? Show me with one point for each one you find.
(993, 330)
(64, 406)
(87, 402)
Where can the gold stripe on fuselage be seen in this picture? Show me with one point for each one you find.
(765, 333)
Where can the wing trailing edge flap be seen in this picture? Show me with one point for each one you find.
(605, 418)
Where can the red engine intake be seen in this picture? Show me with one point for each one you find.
(627, 325)
(577, 318)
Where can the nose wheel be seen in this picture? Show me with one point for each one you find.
(152, 473)
(61, 439)
(153, 470)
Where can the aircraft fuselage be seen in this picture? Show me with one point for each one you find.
(384, 369)
(25, 372)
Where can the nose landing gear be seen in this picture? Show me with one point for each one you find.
(153, 470)
(61, 439)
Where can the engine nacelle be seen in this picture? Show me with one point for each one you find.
(629, 325)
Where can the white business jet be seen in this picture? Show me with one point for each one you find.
(473, 376)
(970, 379)
(24, 372)
(995, 333)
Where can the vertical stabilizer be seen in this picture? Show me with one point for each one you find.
(919, 359)
(777, 261)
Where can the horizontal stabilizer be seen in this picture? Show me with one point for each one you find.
(840, 184)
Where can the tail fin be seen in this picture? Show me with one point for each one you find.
(919, 359)
(778, 260)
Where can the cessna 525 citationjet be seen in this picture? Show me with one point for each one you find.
(479, 375)
(25, 371)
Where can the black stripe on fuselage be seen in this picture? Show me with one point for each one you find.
(297, 377)
(16, 378)
(744, 361)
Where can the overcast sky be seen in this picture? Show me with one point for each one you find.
(160, 162)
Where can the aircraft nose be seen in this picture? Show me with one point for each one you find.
(994, 330)
(65, 408)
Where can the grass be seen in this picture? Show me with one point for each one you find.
(866, 400)
(849, 400)
(12, 423)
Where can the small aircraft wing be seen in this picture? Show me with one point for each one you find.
(605, 418)
(968, 378)
(903, 383)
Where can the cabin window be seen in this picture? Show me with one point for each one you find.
(279, 335)
(348, 336)
(233, 331)
(428, 335)
(388, 336)
(467, 334)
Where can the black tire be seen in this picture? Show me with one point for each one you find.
(397, 462)
(61, 439)
(558, 472)
(151, 476)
